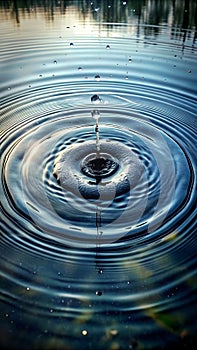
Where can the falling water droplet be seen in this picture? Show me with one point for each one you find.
(95, 114)
(96, 99)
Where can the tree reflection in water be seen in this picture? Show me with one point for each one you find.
(181, 14)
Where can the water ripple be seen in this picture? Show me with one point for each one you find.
(134, 252)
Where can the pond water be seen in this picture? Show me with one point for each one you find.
(98, 174)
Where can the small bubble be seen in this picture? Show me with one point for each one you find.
(51, 310)
(130, 60)
(189, 71)
(100, 271)
(71, 44)
(27, 288)
(40, 75)
(97, 77)
(79, 68)
(126, 77)
(67, 27)
(84, 332)
(124, 3)
(99, 293)
(107, 47)
(9, 88)
(55, 61)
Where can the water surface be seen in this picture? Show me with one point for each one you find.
(110, 264)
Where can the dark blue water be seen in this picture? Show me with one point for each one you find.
(90, 263)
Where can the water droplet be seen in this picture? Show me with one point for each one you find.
(124, 3)
(55, 61)
(27, 288)
(113, 332)
(84, 332)
(99, 293)
(96, 99)
(97, 77)
(71, 44)
(107, 47)
(130, 60)
(95, 114)
(79, 68)
(100, 271)
(189, 71)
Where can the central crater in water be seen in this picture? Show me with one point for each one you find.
(99, 166)
(112, 172)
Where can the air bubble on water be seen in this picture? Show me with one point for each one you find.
(130, 60)
(107, 47)
(97, 77)
(71, 44)
(55, 61)
(79, 68)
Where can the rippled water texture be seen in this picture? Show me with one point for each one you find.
(97, 261)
